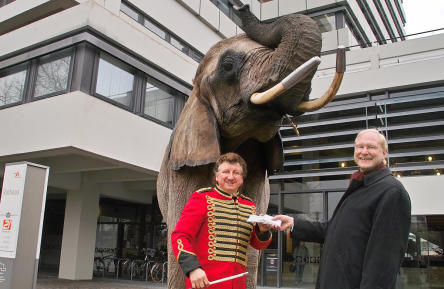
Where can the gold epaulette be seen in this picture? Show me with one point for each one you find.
(246, 198)
(204, 190)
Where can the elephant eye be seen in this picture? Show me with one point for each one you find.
(227, 66)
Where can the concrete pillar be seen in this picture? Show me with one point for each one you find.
(79, 233)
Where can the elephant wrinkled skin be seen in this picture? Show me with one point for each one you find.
(219, 116)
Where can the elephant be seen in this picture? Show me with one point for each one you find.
(241, 92)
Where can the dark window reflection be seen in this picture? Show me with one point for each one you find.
(53, 73)
(303, 257)
(326, 22)
(12, 85)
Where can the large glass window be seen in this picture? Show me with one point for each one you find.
(115, 80)
(326, 22)
(53, 73)
(303, 256)
(12, 84)
(159, 101)
(423, 263)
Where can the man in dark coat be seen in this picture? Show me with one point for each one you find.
(365, 239)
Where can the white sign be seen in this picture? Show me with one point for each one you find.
(11, 208)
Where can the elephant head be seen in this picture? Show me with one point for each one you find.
(242, 90)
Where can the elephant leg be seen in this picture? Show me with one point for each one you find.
(163, 186)
(182, 184)
(259, 184)
(256, 187)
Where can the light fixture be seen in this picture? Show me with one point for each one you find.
(398, 175)
(342, 164)
(437, 172)
(430, 158)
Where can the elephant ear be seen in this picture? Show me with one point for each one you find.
(195, 140)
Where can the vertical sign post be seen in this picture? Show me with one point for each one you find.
(22, 207)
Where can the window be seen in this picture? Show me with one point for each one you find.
(53, 73)
(179, 45)
(4, 2)
(115, 80)
(129, 11)
(326, 22)
(12, 84)
(161, 31)
(154, 28)
(159, 102)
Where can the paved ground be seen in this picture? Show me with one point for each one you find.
(51, 283)
(54, 283)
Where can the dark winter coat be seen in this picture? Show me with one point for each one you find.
(365, 240)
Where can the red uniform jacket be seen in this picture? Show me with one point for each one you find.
(213, 233)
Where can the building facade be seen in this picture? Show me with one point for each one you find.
(93, 89)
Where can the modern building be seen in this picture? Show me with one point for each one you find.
(93, 89)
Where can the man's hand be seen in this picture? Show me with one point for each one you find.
(287, 222)
(199, 279)
(263, 227)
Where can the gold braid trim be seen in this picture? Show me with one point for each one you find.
(229, 232)
(230, 259)
(230, 229)
(180, 249)
(239, 253)
(211, 232)
(246, 198)
(229, 214)
(222, 239)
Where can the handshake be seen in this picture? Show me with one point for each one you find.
(279, 222)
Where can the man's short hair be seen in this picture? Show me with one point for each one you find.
(232, 158)
(382, 140)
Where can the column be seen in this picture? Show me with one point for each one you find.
(79, 233)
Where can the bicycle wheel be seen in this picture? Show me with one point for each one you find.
(156, 272)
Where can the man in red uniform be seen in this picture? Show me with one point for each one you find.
(212, 236)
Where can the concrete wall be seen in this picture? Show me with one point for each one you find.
(426, 194)
(184, 18)
(86, 123)
(120, 28)
(400, 64)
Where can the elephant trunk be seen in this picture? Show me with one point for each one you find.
(291, 41)
(294, 38)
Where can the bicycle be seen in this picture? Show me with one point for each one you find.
(159, 270)
(102, 263)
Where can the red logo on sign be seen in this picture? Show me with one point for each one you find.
(17, 175)
(7, 223)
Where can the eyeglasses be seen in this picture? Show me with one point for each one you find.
(234, 173)
(368, 147)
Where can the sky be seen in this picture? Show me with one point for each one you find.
(423, 15)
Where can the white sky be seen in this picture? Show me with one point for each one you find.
(423, 15)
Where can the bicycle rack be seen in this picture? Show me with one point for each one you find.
(164, 269)
(119, 261)
(147, 271)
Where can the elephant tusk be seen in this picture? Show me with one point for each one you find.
(288, 82)
(328, 96)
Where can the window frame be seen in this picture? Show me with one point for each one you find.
(94, 92)
(54, 55)
(10, 70)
